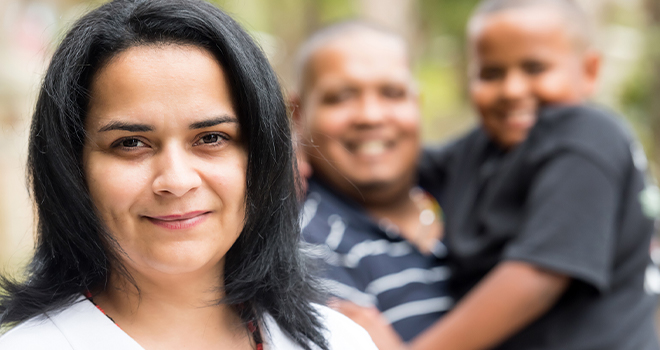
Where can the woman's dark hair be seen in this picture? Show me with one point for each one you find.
(265, 272)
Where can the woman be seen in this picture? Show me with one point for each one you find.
(161, 165)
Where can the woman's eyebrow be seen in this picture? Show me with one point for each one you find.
(131, 127)
(136, 127)
(213, 122)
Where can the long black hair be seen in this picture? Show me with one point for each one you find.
(265, 272)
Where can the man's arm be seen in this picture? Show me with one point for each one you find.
(381, 332)
(510, 297)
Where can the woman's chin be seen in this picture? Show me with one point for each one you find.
(179, 267)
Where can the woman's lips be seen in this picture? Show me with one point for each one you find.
(179, 221)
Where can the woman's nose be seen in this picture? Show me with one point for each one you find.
(175, 173)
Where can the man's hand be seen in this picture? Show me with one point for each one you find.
(373, 321)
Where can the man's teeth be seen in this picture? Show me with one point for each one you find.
(371, 148)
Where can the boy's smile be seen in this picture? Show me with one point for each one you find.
(523, 59)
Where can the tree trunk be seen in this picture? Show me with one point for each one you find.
(399, 15)
(653, 11)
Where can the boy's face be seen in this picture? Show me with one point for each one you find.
(360, 112)
(523, 59)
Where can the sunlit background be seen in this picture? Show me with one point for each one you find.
(628, 35)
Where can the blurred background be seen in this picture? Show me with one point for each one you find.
(628, 35)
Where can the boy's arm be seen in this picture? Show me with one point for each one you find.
(511, 296)
(569, 228)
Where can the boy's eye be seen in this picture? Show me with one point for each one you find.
(492, 73)
(534, 67)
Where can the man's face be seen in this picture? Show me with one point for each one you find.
(360, 113)
(521, 60)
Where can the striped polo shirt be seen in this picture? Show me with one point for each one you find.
(372, 265)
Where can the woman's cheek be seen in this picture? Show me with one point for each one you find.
(116, 185)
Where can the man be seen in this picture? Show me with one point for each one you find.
(357, 114)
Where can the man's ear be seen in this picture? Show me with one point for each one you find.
(591, 69)
(303, 166)
(296, 114)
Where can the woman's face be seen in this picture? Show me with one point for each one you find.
(164, 159)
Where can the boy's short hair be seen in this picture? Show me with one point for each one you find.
(576, 19)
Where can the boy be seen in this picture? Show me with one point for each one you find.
(547, 238)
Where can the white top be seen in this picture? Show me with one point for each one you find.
(82, 326)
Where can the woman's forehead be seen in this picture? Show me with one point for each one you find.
(159, 84)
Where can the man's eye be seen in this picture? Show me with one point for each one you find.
(393, 92)
(338, 97)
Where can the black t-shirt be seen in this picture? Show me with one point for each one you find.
(567, 200)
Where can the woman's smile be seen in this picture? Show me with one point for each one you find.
(180, 221)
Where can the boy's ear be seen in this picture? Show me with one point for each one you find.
(591, 67)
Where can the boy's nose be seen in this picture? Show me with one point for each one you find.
(175, 175)
(515, 85)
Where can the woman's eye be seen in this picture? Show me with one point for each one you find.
(210, 139)
(130, 143)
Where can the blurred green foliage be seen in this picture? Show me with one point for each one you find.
(639, 98)
(446, 17)
(442, 67)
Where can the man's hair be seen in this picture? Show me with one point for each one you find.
(265, 271)
(577, 21)
(324, 36)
